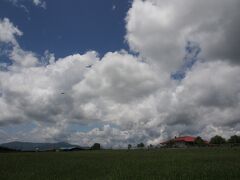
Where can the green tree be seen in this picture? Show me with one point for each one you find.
(170, 143)
(129, 146)
(150, 146)
(141, 145)
(96, 146)
(199, 141)
(234, 139)
(217, 140)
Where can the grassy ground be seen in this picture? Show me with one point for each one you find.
(169, 164)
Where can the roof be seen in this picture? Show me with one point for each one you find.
(185, 139)
(181, 139)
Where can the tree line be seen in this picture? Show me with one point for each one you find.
(216, 140)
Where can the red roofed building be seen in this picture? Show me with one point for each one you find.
(182, 142)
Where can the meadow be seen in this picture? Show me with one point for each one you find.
(163, 164)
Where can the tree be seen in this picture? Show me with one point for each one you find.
(217, 140)
(150, 146)
(141, 145)
(199, 141)
(170, 143)
(129, 146)
(234, 139)
(96, 146)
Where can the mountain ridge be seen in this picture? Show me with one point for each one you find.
(32, 146)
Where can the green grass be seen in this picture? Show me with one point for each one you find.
(166, 164)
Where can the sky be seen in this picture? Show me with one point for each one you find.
(69, 27)
(118, 72)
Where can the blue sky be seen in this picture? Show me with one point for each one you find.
(70, 26)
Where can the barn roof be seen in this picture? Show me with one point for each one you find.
(181, 139)
(185, 139)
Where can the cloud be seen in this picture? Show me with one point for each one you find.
(21, 3)
(118, 77)
(8, 32)
(8, 35)
(164, 27)
(40, 3)
(132, 98)
(23, 58)
(208, 95)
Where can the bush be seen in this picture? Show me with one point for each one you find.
(199, 141)
(96, 146)
(141, 145)
(217, 140)
(234, 139)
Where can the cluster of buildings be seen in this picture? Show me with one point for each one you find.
(184, 141)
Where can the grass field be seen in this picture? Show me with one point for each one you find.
(192, 164)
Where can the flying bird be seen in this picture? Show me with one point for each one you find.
(89, 66)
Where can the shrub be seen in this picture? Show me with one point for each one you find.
(217, 140)
(96, 146)
(234, 139)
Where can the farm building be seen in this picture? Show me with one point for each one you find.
(183, 142)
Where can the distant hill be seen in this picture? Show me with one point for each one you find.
(29, 146)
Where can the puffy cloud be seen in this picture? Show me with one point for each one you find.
(23, 58)
(215, 84)
(8, 32)
(36, 92)
(210, 94)
(118, 77)
(197, 105)
(67, 89)
(159, 29)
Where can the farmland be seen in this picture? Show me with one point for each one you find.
(164, 164)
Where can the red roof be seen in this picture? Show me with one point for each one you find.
(185, 139)
(181, 139)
